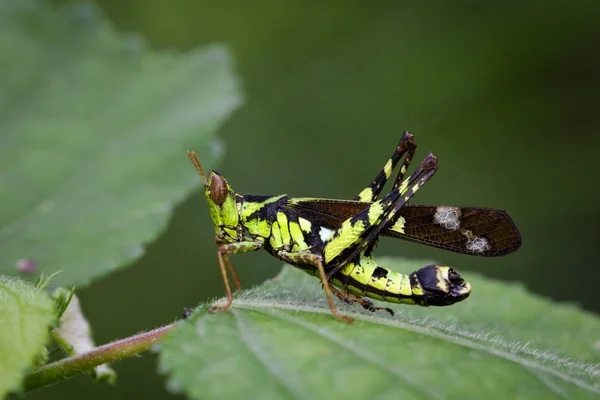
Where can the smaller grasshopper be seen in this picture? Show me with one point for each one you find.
(333, 239)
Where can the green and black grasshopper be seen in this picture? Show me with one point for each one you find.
(334, 239)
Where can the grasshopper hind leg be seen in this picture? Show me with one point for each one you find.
(406, 148)
(317, 261)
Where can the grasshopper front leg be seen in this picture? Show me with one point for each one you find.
(306, 257)
(224, 264)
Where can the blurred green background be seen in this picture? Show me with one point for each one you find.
(504, 93)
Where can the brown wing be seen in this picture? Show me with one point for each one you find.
(467, 230)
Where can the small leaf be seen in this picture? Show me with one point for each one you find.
(62, 299)
(93, 137)
(25, 315)
(280, 341)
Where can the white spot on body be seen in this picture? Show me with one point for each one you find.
(325, 233)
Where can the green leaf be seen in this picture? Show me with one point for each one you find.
(280, 341)
(25, 315)
(93, 137)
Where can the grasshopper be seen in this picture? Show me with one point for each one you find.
(334, 239)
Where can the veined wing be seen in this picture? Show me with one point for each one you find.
(467, 230)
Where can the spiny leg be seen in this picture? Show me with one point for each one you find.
(405, 146)
(317, 261)
(404, 167)
(350, 298)
(224, 264)
(406, 188)
(358, 234)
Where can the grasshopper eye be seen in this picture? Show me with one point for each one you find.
(218, 190)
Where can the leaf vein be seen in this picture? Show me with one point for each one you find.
(257, 305)
(353, 348)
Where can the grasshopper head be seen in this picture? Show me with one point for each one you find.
(221, 202)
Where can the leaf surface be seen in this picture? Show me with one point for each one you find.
(93, 137)
(280, 341)
(25, 315)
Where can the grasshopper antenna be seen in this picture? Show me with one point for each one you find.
(192, 155)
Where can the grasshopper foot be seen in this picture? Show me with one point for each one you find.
(219, 308)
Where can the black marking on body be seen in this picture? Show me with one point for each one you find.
(252, 198)
(269, 211)
(353, 254)
(414, 282)
(380, 273)
(346, 281)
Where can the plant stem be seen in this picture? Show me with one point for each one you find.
(105, 354)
